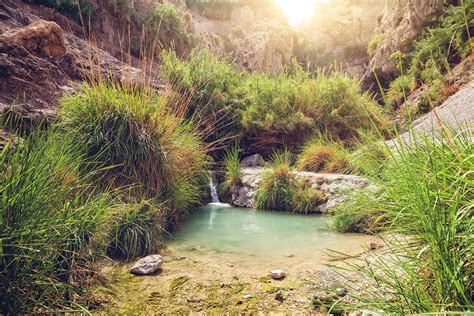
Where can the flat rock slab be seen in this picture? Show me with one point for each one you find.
(336, 187)
(147, 265)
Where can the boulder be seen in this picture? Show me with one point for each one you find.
(147, 265)
(40, 37)
(252, 161)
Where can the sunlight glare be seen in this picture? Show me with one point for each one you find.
(297, 10)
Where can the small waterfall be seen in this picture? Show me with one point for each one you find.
(212, 187)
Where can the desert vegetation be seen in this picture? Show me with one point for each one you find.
(120, 165)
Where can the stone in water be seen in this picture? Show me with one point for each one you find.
(147, 265)
(277, 274)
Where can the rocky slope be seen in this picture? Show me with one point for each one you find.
(40, 61)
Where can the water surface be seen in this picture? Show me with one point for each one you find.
(263, 235)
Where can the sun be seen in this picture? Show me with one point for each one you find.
(297, 10)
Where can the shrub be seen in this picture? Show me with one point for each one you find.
(279, 189)
(398, 91)
(374, 43)
(306, 199)
(232, 169)
(318, 156)
(275, 190)
(282, 111)
(140, 143)
(209, 85)
(49, 212)
(170, 27)
(135, 231)
(78, 10)
(423, 200)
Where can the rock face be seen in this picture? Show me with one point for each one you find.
(147, 265)
(400, 26)
(40, 37)
(254, 41)
(334, 186)
(340, 31)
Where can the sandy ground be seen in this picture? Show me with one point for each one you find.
(193, 282)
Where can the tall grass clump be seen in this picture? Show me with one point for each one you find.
(210, 85)
(49, 213)
(232, 169)
(423, 199)
(280, 190)
(323, 156)
(141, 143)
(284, 110)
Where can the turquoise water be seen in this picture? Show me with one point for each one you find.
(270, 235)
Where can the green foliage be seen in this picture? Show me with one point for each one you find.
(232, 169)
(398, 90)
(282, 111)
(209, 86)
(323, 156)
(134, 232)
(78, 10)
(135, 135)
(374, 43)
(440, 46)
(49, 211)
(170, 26)
(279, 189)
(275, 190)
(423, 198)
(306, 199)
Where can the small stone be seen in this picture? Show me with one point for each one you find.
(279, 297)
(373, 246)
(147, 265)
(289, 255)
(247, 296)
(239, 303)
(277, 274)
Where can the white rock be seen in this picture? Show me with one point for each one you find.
(277, 274)
(247, 296)
(147, 265)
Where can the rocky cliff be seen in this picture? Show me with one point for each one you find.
(399, 26)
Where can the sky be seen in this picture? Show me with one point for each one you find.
(298, 10)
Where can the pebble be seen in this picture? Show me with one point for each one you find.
(247, 296)
(277, 274)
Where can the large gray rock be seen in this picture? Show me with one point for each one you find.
(147, 265)
(252, 161)
(336, 187)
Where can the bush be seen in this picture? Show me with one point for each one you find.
(209, 86)
(306, 199)
(275, 190)
(423, 200)
(374, 43)
(78, 10)
(170, 27)
(49, 212)
(135, 231)
(232, 169)
(398, 91)
(136, 136)
(279, 189)
(282, 111)
(319, 156)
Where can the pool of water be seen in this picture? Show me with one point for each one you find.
(246, 233)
